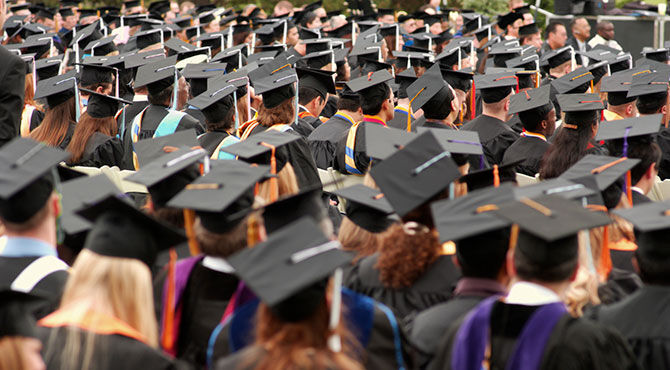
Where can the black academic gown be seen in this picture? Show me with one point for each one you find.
(102, 150)
(642, 318)
(300, 158)
(552, 93)
(211, 140)
(197, 114)
(573, 343)
(331, 106)
(12, 75)
(68, 136)
(434, 286)
(619, 285)
(663, 140)
(495, 135)
(323, 141)
(531, 150)
(49, 288)
(204, 302)
(110, 352)
(515, 124)
(361, 158)
(155, 114)
(305, 125)
(639, 198)
(131, 111)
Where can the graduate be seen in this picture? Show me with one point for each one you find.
(538, 117)
(315, 87)
(530, 327)
(495, 135)
(29, 208)
(19, 344)
(401, 110)
(217, 104)
(619, 105)
(59, 120)
(436, 98)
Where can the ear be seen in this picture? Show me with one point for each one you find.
(650, 173)
(507, 105)
(664, 109)
(99, 89)
(629, 109)
(454, 106)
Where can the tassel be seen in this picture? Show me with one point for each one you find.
(409, 110)
(472, 101)
(605, 263)
(189, 221)
(629, 190)
(168, 337)
(496, 176)
(274, 182)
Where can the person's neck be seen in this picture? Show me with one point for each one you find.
(645, 185)
(312, 108)
(618, 109)
(553, 45)
(45, 232)
(441, 121)
(557, 72)
(604, 37)
(559, 288)
(380, 116)
(501, 115)
(404, 102)
(579, 38)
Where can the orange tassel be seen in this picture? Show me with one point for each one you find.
(189, 221)
(274, 182)
(472, 101)
(496, 176)
(168, 339)
(629, 188)
(605, 258)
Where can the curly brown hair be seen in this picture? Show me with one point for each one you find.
(407, 251)
(283, 113)
(357, 239)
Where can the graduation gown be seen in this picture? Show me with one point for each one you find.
(306, 123)
(399, 120)
(642, 318)
(197, 114)
(380, 335)
(102, 150)
(300, 158)
(495, 135)
(529, 148)
(68, 136)
(323, 140)
(620, 284)
(153, 116)
(211, 140)
(12, 75)
(111, 351)
(572, 344)
(331, 106)
(639, 198)
(361, 159)
(203, 303)
(663, 140)
(515, 124)
(139, 103)
(249, 358)
(434, 286)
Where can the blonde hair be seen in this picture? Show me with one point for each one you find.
(11, 353)
(288, 184)
(584, 288)
(119, 287)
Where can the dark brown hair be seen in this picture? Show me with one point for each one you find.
(83, 131)
(56, 121)
(357, 239)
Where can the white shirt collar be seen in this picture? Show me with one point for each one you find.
(137, 97)
(635, 188)
(217, 264)
(530, 294)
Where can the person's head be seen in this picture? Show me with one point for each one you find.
(649, 154)
(220, 116)
(21, 353)
(84, 129)
(284, 112)
(161, 96)
(581, 30)
(605, 29)
(483, 255)
(283, 8)
(221, 244)
(619, 103)
(292, 36)
(561, 70)
(55, 123)
(557, 35)
(513, 28)
(653, 103)
(386, 18)
(442, 104)
(69, 21)
(541, 120)
(409, 25)
(534, 39)
(495, 101)
(531, 267)
(313, 99)
(310, 20)
(184, 93)
(378, 100)
(433, 3)
(513, 4)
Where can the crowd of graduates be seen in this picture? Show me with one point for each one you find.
(199, 187)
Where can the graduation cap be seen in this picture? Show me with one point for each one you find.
(92, 74)
(530, 62)
(37, 45)
(472, 24)
(159, 7)
(367, 207)
(86, 35)
(371, 65)
(598, 70)
(495, 87)
(484, 32)
(648, 83)
(504, 53)
(157, 76)
(277, 86)
(471, 215)
(621, 62)
(369, 49)
(508, 19)
(288, 271)
(194, 31)
(150, 150)
(176, 46)
(580, 102)
(528, 29)
(257, 148)
(48, 67)
(404, 79)
(651, 223)
(131, 4)
(429, 91)
(422, 166)
(286, 210)
(25, 182)
(278, 48)
(659, 55)
(144, 58)
(321, 81)
(215, 102)
(308, 34)
(57, 89)
(629, 127)
(340, 32)
(617, 88)
(121, 230)
(366, 84)
(557, 57)
(222, 197)
(183, 22)
(459, 80)
(102, 46)
(382, 142)
(233, 57)
(606, 169)
(262, 58)
(575, 82)
(65, 12)
(213, 40)
(198, 74)
(15, 313)
(103, 106)
(528, 100)
(206, 17)
(450, 57)
(487, 177)
(548, 228)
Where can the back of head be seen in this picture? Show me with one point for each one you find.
(373, 97)
(532, 118)
(55, 123)
(537, 267)
(652, 103)
(439, 106)
(483, 255)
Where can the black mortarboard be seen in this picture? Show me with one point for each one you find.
(76, 194)
(194, 31)
(86, 35)
(102, 46)
(159, 7)
(548, 228)
(148, 38)
(648, 83)
(460, 80)
(495, 87)
(262, 58)
(341, 31)
(411, 58)
(222, 197)
(286, 210)
(233, 57)
(382, 142)
(404, 79)
(531, 99)
(606, 169)
(557, 57)
(508, 19)
(629, 127)
(288, 271)
(25, 183)
(580, 102)
(91, 74)
(176, 46)
(471, 214)
(372, 65)
(57, 89)
(363, 84)
(103, 106)
(48, 67)
(598, 70)
(528, 29)
(366, 207)
(528, 62)
(429, 89)
(15, 313)
(596, 55)
(183, 22)
(415, 174)
(314, 45)
(252, 151)
(658, 55)
(561, 187)
(198, 74)
(275, 87)
(206, 17)
(485, 178)
(214, 40)
(308, 34)
(621, 62)
(484, 32)
(150, 150)
(651, 224)
(472, 25)
(278, 48)
(140, 59)
(216, 101)
(37, 45)
(504, 53)
(321, 81)
(370, 49)
(65, 12)
(575, 82)
(121, 230)
(456, 142)
(157, 76)
(617, 88)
